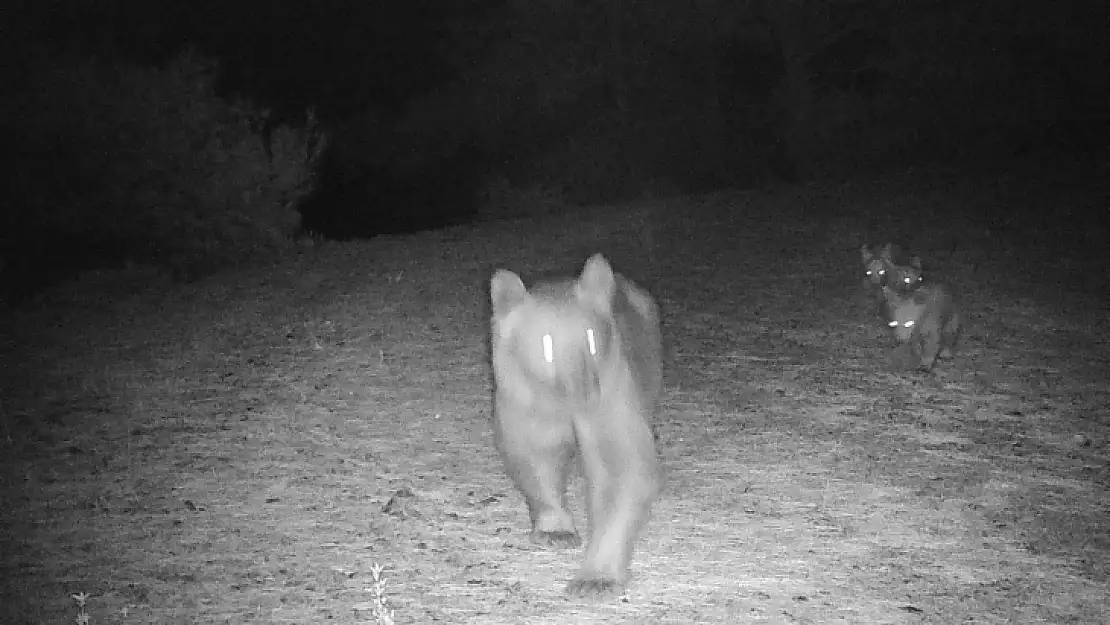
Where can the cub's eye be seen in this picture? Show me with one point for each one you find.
(868, 272)
(548, 349)
(590, 341)
(907, 279)
(882, 272)
(909, 323)
(893, 324)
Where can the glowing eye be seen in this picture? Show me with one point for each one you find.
(893, 324)
(590, 341)
(909, 323)
(548, 349)
(906, 280)
(882, 272)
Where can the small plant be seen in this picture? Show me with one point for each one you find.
(82, 617)
(382, 614)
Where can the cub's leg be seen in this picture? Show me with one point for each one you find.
(622, 472)
(538, 449)
(931, 343)
(951, 336)
(905, 356)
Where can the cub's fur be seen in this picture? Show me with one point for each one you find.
(890, 268)
(927, 320)
(577, 366)
(882, 269)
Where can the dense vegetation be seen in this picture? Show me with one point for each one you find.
(147, 134)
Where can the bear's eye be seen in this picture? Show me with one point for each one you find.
(909, 323)
(907, 279)
(590, 341)
(882, 272)
(893, 324)
(548, 349)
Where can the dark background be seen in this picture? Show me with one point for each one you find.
(435, 106)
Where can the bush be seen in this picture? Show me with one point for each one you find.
(144, 165)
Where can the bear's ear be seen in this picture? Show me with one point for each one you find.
(597, 283)
(506, 290)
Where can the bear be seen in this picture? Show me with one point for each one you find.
(577, 371)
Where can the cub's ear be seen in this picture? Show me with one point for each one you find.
(889, 251)
(865, 252)
(506, 290)
(597, 283)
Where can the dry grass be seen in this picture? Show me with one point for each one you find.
(248, 448)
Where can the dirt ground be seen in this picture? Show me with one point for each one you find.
(247, 448)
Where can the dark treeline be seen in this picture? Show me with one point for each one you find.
(439, 110)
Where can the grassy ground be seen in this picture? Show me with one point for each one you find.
(245, 449)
